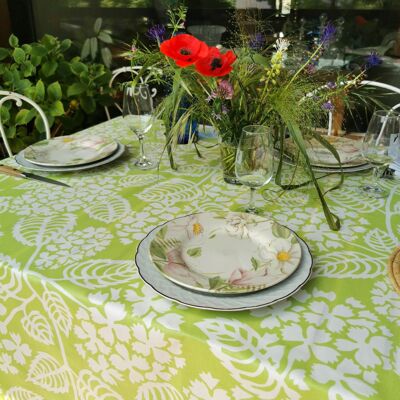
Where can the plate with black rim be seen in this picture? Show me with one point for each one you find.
(208, 301)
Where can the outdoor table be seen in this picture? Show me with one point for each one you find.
(77, 321)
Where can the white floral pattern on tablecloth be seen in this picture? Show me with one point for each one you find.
(77, 322)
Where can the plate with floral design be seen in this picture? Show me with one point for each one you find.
(221, 302)
(69, 150)
(225, 253)
(349, 151)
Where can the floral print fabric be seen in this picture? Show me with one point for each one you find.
(77, 322)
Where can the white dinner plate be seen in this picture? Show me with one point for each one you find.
(225, 252)
(165, 287)
(68, 151)
(20, 159)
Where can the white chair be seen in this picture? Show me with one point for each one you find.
(133, 71)
(19, 98)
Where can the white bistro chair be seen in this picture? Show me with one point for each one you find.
(19, 98)
(132, 71)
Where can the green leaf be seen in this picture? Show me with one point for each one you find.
(93, 47)
(24, 116)
(85, 49)
(39, 124)
(22, 85)
(76, 89)
(27, 69)
(13, 41)
(5, 114)
(105, 37)
(280, 231)
(97, 25)
(10, 131)
(38, 50)
(88, 104)
(49, 68)
(36, 60)
(54, 91)
(65, 44)
(215, 282)
(157, 250)
(106, 56)
(56, 109)
(255, 263)
(49, 41)
(27, 48)
(18, 55)
(78, 67)
(162, 232)
(194, 252)
(4, 53)
(40, 91)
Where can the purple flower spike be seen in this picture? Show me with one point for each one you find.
(257, 41)
(156, 33)
(373, 60)
(331, 85)
(328, 35)
(328, 106)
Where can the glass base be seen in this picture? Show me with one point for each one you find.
(252, 210)
(374, 191)
(231, 179)
(145, 163)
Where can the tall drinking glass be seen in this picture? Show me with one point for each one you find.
(383, 127)
(254, 162)
(138, 115)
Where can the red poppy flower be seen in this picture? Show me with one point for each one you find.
(216, 63)
(184, 49)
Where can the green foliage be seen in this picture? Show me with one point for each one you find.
(71, 92)
(95, 47)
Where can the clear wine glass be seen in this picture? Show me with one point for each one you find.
(383, 127)
(137, 112)
(254, 162)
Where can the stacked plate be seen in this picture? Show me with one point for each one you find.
(224, 261)
(70, 153)
(323, 160)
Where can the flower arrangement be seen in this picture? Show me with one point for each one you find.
(256, 81)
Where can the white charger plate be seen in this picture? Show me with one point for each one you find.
(20, 159)
(166, 288)
(225, 253)
(68, 151)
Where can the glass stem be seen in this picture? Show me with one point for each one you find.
(251, 202)
(375, 176)
(142, 156)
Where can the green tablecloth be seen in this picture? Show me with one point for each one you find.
(77, 322)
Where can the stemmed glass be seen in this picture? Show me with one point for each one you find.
(383, 127)
(137, 112)
(254, 160)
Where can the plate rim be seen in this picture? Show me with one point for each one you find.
(218, 293)
(34, 167)
(140, 250)
(77, 138)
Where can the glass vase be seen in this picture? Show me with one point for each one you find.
(228, 156)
